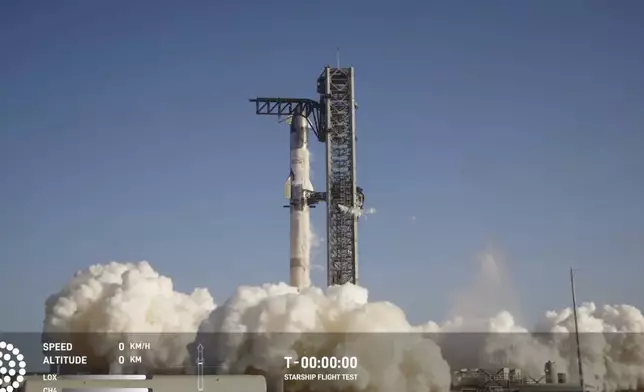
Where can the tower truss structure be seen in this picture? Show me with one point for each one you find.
(337, 99)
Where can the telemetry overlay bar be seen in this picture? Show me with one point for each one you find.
(103, 377)
(107, 389)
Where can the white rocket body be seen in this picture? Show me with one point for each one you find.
(298, 189)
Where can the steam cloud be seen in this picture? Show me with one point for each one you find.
(118, 300)
(355, 211)
(129, 298)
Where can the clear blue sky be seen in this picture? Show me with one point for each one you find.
(126, 134)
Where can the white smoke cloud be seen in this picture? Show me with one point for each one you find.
(355, 211)
(117, 300)
(612, 343)
(256, 327)
(490, 292)
(308, 320)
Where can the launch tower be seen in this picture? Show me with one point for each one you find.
(332, 119)
(337, 100)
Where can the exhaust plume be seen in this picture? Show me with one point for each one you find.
(255, 328)
(116, 301)
(262, 325)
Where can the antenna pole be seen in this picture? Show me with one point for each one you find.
(574, 310)
(337, 56)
